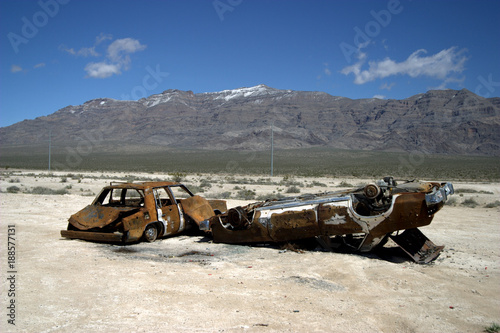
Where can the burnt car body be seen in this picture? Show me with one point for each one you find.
(362, 218)
(130, 212)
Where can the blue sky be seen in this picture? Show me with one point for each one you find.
(56, 53)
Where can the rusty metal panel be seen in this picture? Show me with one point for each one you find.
(135, 225)
(96, 216)
(172, 217)
(335, 220)
(96, 236)
(220, 205)
(409, 211)
(197, 208)
(417, 246)
(291, 225)
(256, 233)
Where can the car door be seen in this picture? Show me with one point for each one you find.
(167, 211)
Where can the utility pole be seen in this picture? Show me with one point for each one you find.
(50, 144)
(272, 147)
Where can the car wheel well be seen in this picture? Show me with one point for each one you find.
(159, 226)
(151, 232)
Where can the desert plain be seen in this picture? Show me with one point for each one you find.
(187, 283)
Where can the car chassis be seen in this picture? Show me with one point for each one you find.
(363, 218)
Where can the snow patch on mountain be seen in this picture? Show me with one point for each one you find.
(157, 99)
(259, 90)
(256, 91)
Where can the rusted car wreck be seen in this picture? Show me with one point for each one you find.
(362, 218)
(130, 212)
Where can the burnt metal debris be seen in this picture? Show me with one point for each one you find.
(362, 218)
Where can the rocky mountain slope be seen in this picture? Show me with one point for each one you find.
(439, 121)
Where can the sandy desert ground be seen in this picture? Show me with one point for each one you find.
(189, 284)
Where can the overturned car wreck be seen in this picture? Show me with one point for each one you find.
(363, 218)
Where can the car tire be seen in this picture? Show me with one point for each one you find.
(151, 233)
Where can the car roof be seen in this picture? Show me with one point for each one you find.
(141, 185)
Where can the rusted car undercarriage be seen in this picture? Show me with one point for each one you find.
(362, 219)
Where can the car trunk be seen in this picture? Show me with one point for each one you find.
(96, 216)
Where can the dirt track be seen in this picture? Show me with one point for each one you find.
(189, 284)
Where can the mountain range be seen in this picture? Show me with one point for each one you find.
(438, 121)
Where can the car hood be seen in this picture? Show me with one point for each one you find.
(197, 208)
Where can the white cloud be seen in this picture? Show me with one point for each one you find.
(102, 37)
(326, 71)
(440, 66)
(387, 86)
(117, 55)
(64, 48)
(83, 52)
(384, 44)
(88, 52)
(101, 70)
(118, 50)
(16, 68)
(379, 96)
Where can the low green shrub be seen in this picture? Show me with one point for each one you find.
(493, 328)
(273, 196)
(178, 176)
(470, 203)
(490, 205)
(451, 201)
(205, 183)
(45, 190)
(468, 190)
(13, 189)
(245, 194)
(293, 189)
